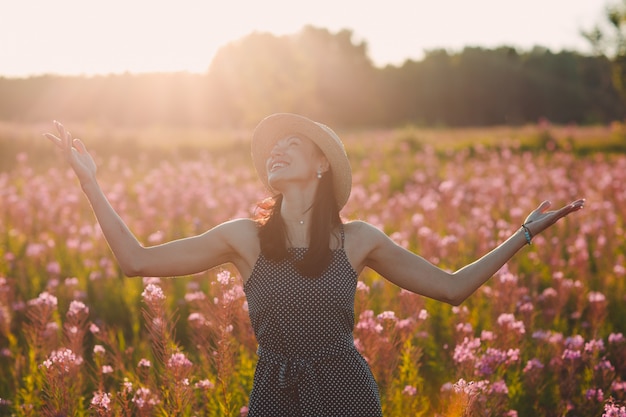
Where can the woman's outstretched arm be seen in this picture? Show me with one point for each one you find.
(179, 257)
(416, 274)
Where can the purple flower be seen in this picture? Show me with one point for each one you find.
(499, 387)
(571, 355)
(466, 351)
(533, 364)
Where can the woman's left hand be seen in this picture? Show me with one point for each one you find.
(540, 219)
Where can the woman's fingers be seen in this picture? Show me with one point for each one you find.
(80, 146)
(57, 141)
(544, 206)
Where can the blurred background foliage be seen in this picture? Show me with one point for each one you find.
(329, 76)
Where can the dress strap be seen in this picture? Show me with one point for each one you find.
(343, 235)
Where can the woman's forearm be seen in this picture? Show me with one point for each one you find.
(469, 278)
(120, 239)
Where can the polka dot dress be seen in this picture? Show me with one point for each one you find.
(308, 365)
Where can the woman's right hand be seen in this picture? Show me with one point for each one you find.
(75, 153)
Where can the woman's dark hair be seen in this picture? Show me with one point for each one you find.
(324, 218)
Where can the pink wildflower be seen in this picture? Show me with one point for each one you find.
(575, 342)
(101, 400)
(466, 351)
(387, 315)
(151, 280)
(594, 346)
(464, 328)
(144, 363)
(63, 359)
(404, 323)
(77, 308)
(615, 338)
(205, 384)
(195, 296)
(508, 322)
(499, 387)
(612, 410)
(106, 369)
(223, 277)
(127, 387)
(197, 319)
(144, 398)
(99, 349)
(596, 297)
(533, 364)
(571, 355)
(152, 293)
(486, 335)
(604, 365)
(178, 360)
(409, 390)
(618, 386)
(44, 299)
(595, 394)
(361, 286)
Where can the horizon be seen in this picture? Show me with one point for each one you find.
(146, 37)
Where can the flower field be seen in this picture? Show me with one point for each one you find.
(544, 337)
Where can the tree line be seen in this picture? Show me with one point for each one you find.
(330, 77)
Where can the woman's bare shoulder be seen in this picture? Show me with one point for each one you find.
(240, 231)
(359, 229)
(361, 239)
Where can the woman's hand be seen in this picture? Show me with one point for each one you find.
(75, 153)
(540, 219)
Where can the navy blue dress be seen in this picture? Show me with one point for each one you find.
(308, 364)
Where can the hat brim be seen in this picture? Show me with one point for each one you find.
(280, 125)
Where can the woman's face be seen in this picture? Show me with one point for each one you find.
(295, 159)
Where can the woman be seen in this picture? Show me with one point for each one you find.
(300, 264)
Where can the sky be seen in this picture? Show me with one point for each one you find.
(88, 37)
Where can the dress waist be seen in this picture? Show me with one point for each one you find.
(295, 369)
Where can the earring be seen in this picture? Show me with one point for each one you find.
(319, 174)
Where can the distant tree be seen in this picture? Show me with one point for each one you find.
(316, 72)
(610, 39)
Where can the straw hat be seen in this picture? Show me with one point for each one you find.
(280, 125)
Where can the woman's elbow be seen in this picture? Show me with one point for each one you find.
(131, 265)
(453, 294)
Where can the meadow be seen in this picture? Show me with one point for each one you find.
(544, 337)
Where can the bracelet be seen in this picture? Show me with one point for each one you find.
(527, 234)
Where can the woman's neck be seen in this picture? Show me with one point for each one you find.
(296, 211)
(297, 215)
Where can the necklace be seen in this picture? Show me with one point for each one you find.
(301, 222)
